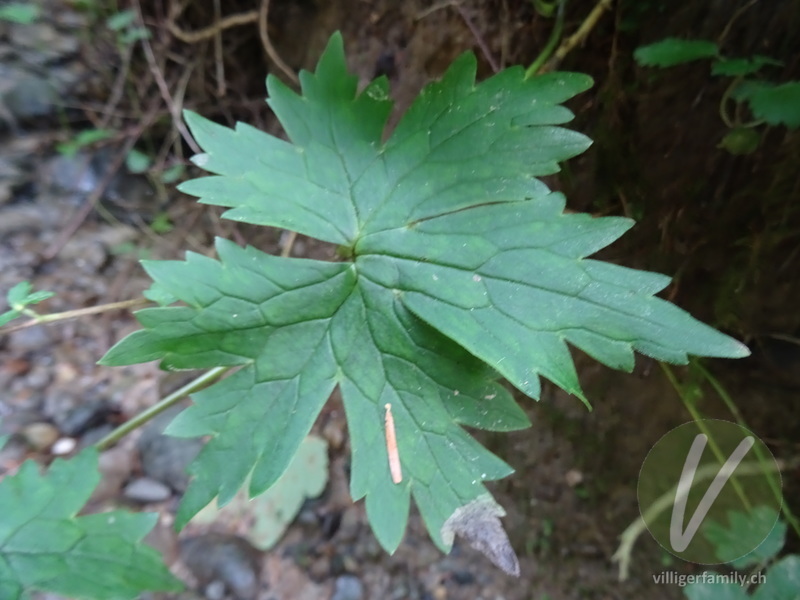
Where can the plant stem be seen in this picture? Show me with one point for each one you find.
(723, 104)
(143, 417)
(698, 419)
(623, 554)
(579, 36)
(555, 36)
(774, 486)
(37, 319)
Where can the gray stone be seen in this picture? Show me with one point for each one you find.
(348, 587)
(216, 558)
(71, 174)
(32, 96)
(165, 458)
(145, 490)
(40, 436)
(30, 339)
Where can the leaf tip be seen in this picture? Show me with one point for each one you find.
(478, 523)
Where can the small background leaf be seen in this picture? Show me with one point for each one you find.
(23, 13)
(738, 67)
(777, 105)
(44, 545)
(715, 591)
(137, 162)
(17, 294)
(782, 581)
(673, 51)
(739, 532)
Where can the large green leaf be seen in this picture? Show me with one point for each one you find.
(44, 546)
(462, 267)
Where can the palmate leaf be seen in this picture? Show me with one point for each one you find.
(462, 267)
(44, 546)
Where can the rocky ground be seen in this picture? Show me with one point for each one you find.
(574, 490)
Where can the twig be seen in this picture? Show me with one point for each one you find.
(475, 33)
(580, 35)
(478, 38)
(287, 246)
(729, 25)
(73, 314)
(218, 61)
(174, 108)
(432, 9)
(193, 37)
(143, 417)
(263, 24)
(117, 89)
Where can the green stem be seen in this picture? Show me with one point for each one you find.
(37, 319)
(763, 460)
(555, 36)
(623, 554)
(698, 419)
(143, 417)
(723, 104)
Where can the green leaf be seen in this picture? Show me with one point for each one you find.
(83, 139)
(21, 295)
(137, 162)
(673, 51)
(45, 546)
(172, 174)
(134, 34)
(37, 297)
(740, 141)
(23, 13)
(463, 267)
(715, 591)
(746, 530)
(121, 20)
(161, 223)
(9, 315)
(739, 67)
(777, 105)
(16, 295)
(782, 581)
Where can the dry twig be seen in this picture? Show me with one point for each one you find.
(263, 23)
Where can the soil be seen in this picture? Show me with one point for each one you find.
(726, 226)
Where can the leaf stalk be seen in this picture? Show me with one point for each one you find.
(143, 417)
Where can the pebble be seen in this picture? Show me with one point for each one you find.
(166, 458)
(40, 436)
(216, 558)
(83, 417)
(348, 587)
(63, 446)
(115, 468)
(32, 96)
(145, 490)
(30, 339)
